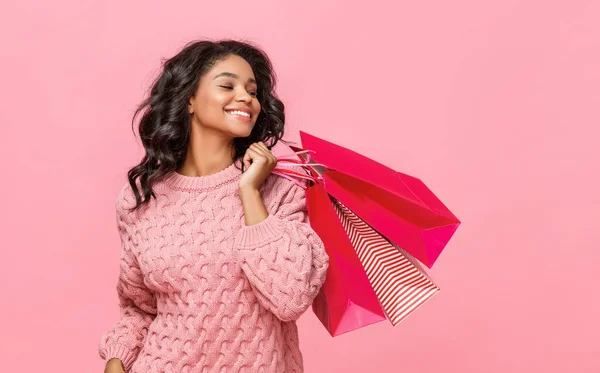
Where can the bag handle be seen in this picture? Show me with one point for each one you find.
(286, 163)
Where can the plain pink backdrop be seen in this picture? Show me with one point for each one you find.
(494, 105)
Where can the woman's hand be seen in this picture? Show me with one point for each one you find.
(259, 162)
(263, 162)
(114, 365)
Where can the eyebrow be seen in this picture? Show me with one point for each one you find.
(234, 76)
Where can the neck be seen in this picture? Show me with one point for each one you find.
(208, 152)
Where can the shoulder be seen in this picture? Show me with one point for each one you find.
(125, 201)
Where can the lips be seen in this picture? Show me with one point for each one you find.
(243, 114)
(240, 113)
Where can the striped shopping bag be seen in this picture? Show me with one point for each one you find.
(399, 281)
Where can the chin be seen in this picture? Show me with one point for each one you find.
(238, 134)
(241, 132)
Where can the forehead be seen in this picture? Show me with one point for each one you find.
(232, 64)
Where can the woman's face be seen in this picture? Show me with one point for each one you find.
(225, 100)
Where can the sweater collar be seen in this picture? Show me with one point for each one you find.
(195, 183)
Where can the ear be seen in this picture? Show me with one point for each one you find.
(191, 105)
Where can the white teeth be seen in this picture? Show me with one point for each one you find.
(239, 113)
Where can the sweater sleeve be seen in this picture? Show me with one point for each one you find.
(282, 256)
(136, 302)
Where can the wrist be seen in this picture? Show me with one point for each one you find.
(115, 362)
(248, 190)
(253, 205)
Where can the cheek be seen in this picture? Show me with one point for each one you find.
(210, 110)
(214, 100)
(219, 101)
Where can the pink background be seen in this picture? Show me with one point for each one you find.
(494, 105)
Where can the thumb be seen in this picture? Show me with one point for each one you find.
(246, 160)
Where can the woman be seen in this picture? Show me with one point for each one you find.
(217, 258)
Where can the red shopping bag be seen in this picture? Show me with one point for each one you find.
(346, 300)
(398, 206)
(368, 278)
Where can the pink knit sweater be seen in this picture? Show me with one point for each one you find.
(200, 291)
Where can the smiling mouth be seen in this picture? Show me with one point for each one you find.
(238, 113)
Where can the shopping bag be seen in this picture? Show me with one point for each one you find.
(398, 206)
(395, 286)
(400, 283)
(346, 301)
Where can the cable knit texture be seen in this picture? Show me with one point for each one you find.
(200, 291)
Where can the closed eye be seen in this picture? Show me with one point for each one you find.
(230, 87)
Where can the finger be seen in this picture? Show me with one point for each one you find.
(246, 160)
(259, 149)
(266, 149)
(253, 153)
(252, 150)
(267, 152)
(258, 155)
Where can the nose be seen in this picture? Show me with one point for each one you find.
(243, 96)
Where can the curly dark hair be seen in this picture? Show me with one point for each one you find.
(164, 126)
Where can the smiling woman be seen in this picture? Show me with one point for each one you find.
(210, 79)
(217, 263)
